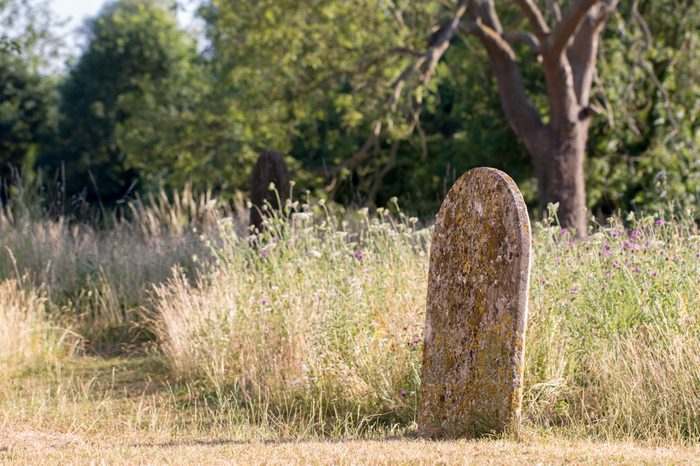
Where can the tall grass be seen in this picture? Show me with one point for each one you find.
(28, 337)
(98, 280)
(318, 320)
(310, 318)
(321, 317)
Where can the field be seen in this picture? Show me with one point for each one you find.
(174, 336)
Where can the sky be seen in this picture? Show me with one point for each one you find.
(76, 11)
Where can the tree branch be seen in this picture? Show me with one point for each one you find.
(486, 10)
(583, 49)
(427, 62)
(534, 16)
(362, 154)
(519, 110)
(565, 29)
(556, 11)
(526, 38)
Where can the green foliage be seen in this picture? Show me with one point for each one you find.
(27, 96)
(143, 109)
(26, 115)
(311, 77)
(136, 63)
(644, 150)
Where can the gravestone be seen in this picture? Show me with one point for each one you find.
(473, 356)
(269, 168)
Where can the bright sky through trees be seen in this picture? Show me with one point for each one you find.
(75, 12)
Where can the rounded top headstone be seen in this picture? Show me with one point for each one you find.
(471, 379)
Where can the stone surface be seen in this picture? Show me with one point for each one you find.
(471, 381)
(269, 168)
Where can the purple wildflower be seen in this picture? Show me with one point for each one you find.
(655, 274)
(403, 393)
(564, 230)
(264, 253)
(606, 247)
(660, 222)
(358, 255)
(415, 341)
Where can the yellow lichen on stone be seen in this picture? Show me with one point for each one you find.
(477, 309)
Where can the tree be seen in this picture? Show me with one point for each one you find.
(27, 96)
(566, 50)
(26, 116)
(135, 58)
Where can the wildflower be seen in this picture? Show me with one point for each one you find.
(358, 255)
(660, 222)
(635, 269)
(403, 393)
(607, 274)
(564, 230)
(415, 341)
(655, 274)
(606, 247)
(574, 289)
(264, 253)
(615, 233)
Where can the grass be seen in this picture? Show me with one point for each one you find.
(176, 328)
(125, 410)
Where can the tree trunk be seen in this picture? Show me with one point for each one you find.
(560, 175)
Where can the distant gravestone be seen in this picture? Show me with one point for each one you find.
(269, 168)
(473, 357)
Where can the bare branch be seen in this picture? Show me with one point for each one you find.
(534, 15)
(362, 154)
(427, 62)
(583, 49)
(524, 37)
(554, 5)
(565, 29)
(518, 108)
(486, 10)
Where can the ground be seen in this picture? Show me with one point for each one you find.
(24, 447)
(125, 410)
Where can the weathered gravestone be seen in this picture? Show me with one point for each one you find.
(269, 168)
(471, 381)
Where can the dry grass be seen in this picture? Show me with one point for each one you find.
(313, 332)
(25, 447)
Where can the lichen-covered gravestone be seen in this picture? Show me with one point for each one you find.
(471, 381)
(269, 168)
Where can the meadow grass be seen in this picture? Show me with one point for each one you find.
(313, 328)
